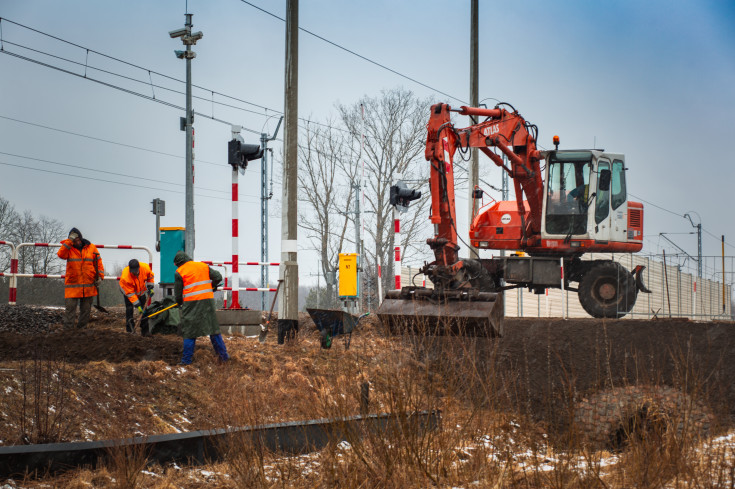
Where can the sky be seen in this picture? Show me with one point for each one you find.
(652, 80)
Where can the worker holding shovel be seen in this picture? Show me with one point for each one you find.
(136, 283)
(84, 273)
(194, 286)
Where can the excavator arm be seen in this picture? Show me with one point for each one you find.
(513, 136)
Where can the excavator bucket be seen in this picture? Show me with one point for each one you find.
(456, 312)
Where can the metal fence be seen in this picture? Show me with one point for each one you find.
(676, 290)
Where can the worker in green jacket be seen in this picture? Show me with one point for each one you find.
(194, 286)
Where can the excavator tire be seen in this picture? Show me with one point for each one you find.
(607, 290)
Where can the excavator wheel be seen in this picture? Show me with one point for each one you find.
(607, 290)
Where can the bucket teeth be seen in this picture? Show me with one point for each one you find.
(455, 312)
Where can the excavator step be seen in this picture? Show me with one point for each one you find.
(455, 312)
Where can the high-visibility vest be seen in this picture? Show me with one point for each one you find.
(197, 284)
(80, 274)
(133, 286)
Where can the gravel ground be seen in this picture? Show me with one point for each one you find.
(29, 319)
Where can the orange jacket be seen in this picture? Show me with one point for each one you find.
(197, 284)
(133, 286)
(80, 273)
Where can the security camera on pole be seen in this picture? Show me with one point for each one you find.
(187, 124)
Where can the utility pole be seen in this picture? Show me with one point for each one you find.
(265, 196)
(288, 307)
(699, 242)
(473, 177)
(189, 39)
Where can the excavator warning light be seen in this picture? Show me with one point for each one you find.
(556, 142)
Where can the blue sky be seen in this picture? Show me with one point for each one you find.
(653, 80)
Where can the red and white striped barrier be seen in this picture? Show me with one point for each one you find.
(222, 263)
(233, 289)
(13, 270)
(14, 264)
(251, 289)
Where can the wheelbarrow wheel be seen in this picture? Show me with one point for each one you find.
(326, 339)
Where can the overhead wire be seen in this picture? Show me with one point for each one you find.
(102, 139)
(149, 72)
(137, 185)
(364, 58)
(211, 117)
(79, 167)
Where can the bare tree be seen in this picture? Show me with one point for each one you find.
(394, 127)
(326, 193)
(24, 228)
(48, 231)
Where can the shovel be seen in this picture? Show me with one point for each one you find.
(264, 327)
(96, 274)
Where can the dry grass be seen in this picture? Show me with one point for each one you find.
(486, 437)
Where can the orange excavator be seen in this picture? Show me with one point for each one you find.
(576, 203)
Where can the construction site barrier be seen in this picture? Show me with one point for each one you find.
(235, 290)
(14, 275)
(13, 271)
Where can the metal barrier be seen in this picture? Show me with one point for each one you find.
(14, 275)
(13, 271)
(235, 290)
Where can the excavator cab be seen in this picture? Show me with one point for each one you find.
(586, 207)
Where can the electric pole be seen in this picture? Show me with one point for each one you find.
(189, 39)
(288, 307)
(699, 242)
(473, 177)
(265, 196)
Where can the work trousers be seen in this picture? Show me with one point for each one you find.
(70, 315)
(130, 319)
(217, 343)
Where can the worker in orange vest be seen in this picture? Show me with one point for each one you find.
(84, 274)
(136, 283)
(194, 286)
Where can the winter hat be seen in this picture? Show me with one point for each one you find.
(134, 266)
(74, 234)
(181, 258)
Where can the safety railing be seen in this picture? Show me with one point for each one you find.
(235, 290)
(13, 271)
(14, 275)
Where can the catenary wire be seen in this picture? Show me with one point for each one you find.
(115, 173)
(211, 117)
(117, 183)
(102, 140)
(149, 71)
(364, 58)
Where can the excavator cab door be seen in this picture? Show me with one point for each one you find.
(610, 216)
(567, 198)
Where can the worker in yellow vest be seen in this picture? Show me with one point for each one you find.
(136, 283)
(194, 286)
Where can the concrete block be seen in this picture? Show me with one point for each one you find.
(240, 321)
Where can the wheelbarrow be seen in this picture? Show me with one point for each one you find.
(332, 322)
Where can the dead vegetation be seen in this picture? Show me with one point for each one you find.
(493, 432)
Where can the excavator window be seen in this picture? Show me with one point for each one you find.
(618, 196)
(602, 201)
(568, 193)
